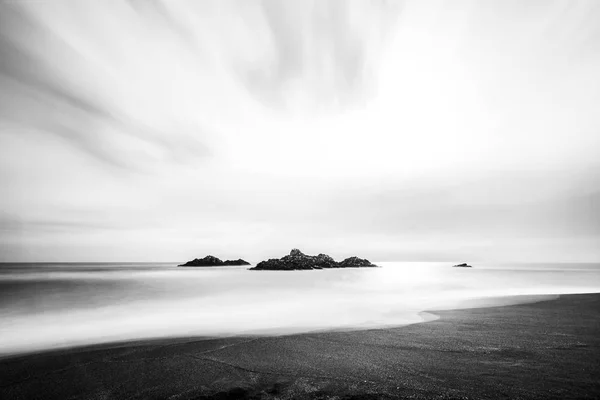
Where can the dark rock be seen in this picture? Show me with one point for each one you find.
(325, 261)
(239, 261)
(297, 253)
(211, 261)
(463, 265)
(208, 261)
(355, 262)
(274, 264)
(297, 260)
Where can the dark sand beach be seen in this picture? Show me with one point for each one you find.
(548, 349)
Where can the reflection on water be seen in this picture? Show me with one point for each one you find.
(56, 305)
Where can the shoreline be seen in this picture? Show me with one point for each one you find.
(433, 314)
(529, 350)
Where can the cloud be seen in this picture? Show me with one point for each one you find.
(382, 128)
(322, 54)
(45, 89)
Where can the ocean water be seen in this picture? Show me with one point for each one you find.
(46, 306)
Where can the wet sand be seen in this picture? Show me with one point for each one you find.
(549, 349)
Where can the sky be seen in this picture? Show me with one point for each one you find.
(417, 130)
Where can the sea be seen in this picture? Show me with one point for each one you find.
(47, 306)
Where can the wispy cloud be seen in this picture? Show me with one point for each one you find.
(387, 128)
(320, 53)
(39, 93)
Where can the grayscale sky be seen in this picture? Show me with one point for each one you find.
(418, 130)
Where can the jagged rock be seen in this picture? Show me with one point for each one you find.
(297, 253)
(211, 261)
(355, 262)
(325, 261)
(297, 260)
(463, 265)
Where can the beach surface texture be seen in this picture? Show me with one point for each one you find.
(548, 349)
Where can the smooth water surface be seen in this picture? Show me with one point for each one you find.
(46, 306)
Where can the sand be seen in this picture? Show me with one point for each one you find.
(549, 349)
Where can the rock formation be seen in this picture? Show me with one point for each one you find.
(297, 260)
(463, 265)
(355, 262)
(239, 261)
(210, 261)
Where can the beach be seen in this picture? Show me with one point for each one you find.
(299, 200)
(537, 350)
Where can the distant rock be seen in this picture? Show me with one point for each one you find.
(239, 261)
(296, 253)
(463, 265)
(325, 261)
(208, 261)
(355, 262)
(297, 260)
(211, 261)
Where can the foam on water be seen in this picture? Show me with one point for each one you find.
(46, 306)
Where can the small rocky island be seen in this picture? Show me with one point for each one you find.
(211, 261)
(463, 265)
(297, 260)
